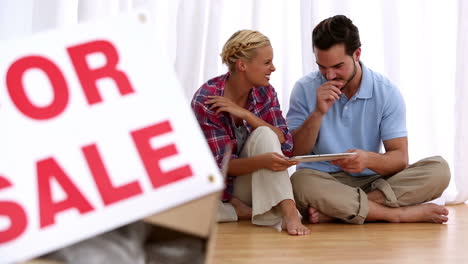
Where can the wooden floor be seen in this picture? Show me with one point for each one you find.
(241, 242)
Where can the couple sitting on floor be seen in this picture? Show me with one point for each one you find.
(343, 107)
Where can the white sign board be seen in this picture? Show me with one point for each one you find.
(95, 133)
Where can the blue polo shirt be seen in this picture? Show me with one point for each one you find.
(374, 114)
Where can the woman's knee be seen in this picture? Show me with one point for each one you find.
(263, 139)
(264, 132)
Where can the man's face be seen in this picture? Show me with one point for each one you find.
(335, 64)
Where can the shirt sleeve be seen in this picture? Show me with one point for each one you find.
(274, 116)
(393, 123)
(215, 133)
(299, 107)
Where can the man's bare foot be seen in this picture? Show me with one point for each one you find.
(316, 217)
(291, 220)
(430, 212)
(376, 196)
(243, 211)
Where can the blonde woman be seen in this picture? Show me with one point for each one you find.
(240, 108)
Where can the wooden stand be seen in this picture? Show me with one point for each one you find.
(195, 218)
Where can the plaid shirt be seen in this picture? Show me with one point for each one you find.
(218, 129)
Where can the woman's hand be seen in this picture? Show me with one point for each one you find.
(222, 104)
(275, 162)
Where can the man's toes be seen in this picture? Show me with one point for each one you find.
(445, 212)
(443, 219)
(441, 210)
(314, 218)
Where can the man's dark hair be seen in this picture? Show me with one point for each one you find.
(336, 30)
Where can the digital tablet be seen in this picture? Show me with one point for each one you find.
(321, 157)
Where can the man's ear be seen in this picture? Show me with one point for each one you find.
(357, 54)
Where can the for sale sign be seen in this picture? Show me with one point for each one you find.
(94, 133)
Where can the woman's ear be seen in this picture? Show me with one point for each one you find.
(241, 65)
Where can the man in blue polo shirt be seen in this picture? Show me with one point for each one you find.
(347, 107)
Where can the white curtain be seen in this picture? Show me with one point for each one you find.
(460, 181)
(421, 45)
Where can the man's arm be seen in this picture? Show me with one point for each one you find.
(394, 160)
(305, 136)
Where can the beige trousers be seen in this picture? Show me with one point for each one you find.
(343, 196)
(264, 189)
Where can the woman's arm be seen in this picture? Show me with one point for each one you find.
(223, 104)
(272, 161)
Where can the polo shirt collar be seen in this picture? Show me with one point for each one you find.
(366, 87)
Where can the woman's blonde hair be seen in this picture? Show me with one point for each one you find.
(242, 45)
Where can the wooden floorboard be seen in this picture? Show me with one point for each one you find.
(411, 243)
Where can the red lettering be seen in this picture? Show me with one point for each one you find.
(15, 213)
(14, 81)
(151, 157)
(88, 76)
(47, 170)
(4, 183)
(109, 193)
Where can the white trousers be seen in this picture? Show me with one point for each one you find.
(264, 189)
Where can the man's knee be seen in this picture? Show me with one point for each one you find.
(307, 188)
(324, 193)
(302, 185)
(298, 186)
(440, 171)
(437, 175)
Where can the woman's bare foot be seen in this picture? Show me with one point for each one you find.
(430, 212)
(243, 211)
(294, 227)
(291, 220)
(316, 217)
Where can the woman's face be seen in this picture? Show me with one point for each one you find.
(260, 67)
